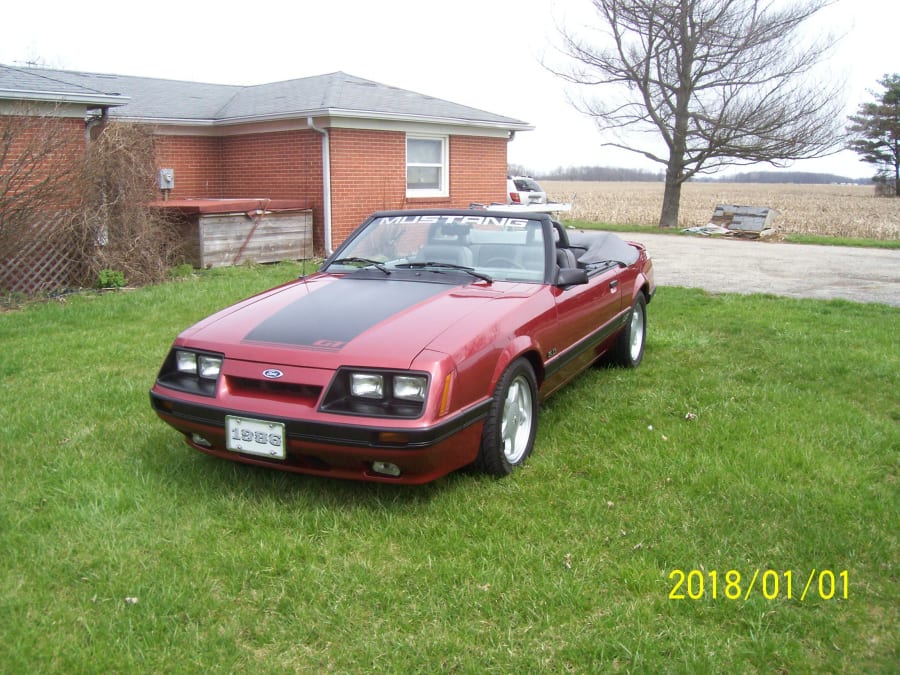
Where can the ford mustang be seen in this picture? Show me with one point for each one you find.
(424, 344)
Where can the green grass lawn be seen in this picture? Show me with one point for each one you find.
(760, 437)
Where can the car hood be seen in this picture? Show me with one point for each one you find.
(328, 321)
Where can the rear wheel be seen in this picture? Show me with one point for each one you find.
(510, 427)
(629, 349)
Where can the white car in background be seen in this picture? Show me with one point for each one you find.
(524, 190)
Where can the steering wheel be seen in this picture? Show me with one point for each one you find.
(503, 262)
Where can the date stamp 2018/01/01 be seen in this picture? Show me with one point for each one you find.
(770, 584)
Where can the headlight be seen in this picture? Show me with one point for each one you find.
(367, 385)
(410, 387)
(186, 362)
(209, 366)
(377, 393)
(191, 372)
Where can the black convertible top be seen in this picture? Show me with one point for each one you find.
(601, 247)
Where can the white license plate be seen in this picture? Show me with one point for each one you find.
(254, 437)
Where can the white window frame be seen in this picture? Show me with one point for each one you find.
(443, 189)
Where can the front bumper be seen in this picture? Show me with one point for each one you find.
(422, 454)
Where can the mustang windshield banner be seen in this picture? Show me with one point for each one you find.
(478, 222)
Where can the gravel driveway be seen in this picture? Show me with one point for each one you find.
(793, 270)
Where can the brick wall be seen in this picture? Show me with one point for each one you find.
(280, 165)
(35, 149)
(368, 173)
(197, 161)
(477, 170)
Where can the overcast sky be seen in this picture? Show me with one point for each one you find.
(482, 53)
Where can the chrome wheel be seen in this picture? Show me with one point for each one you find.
(628, 351)
(517, 420)
(511, 422)
(636, 332)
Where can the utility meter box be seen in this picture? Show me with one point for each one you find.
(167, 179)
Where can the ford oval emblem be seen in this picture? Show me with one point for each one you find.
(272, 373)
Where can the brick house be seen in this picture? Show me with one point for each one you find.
(342, 145)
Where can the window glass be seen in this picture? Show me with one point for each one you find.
(426, 170)
(423, 151)
(423, 178)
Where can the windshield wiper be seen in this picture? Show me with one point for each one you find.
(448, 266)
(365, 261)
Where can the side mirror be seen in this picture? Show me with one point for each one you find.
(571, 276)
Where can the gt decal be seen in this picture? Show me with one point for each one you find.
(328, 344)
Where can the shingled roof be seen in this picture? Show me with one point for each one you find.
(194, 103)
(38, 84)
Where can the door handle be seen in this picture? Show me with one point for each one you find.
(614, 284)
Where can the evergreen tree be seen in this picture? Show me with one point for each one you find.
(875, 132)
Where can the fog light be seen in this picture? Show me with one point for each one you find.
(386, 468)
(197, 439)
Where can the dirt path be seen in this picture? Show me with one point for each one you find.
(793, 270)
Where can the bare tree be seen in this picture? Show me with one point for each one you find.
(69, 210)
(721, 82)
(39, 162)
(117, 227)
(41, 152)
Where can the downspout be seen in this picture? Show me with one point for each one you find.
(326, 183)
(93, 121)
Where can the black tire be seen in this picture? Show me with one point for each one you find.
(628, 351)
(511, 424)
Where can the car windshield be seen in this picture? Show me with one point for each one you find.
(498, 247)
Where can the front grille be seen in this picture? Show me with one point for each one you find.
(305, 394)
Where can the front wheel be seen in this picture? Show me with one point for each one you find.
(511, 424)
(629, 349)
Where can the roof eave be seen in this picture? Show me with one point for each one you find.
(90, 100)
(427, 119)
(512, 125)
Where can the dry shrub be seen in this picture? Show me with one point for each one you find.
(116, 228)
(40, 159)
(833, 210)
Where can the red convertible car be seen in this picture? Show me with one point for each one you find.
(422, 345)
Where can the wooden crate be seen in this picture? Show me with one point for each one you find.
(224, 232)
(234, 238)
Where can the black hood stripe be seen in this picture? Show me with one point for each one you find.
(330, 317)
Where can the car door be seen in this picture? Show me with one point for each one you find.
(585, 315)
